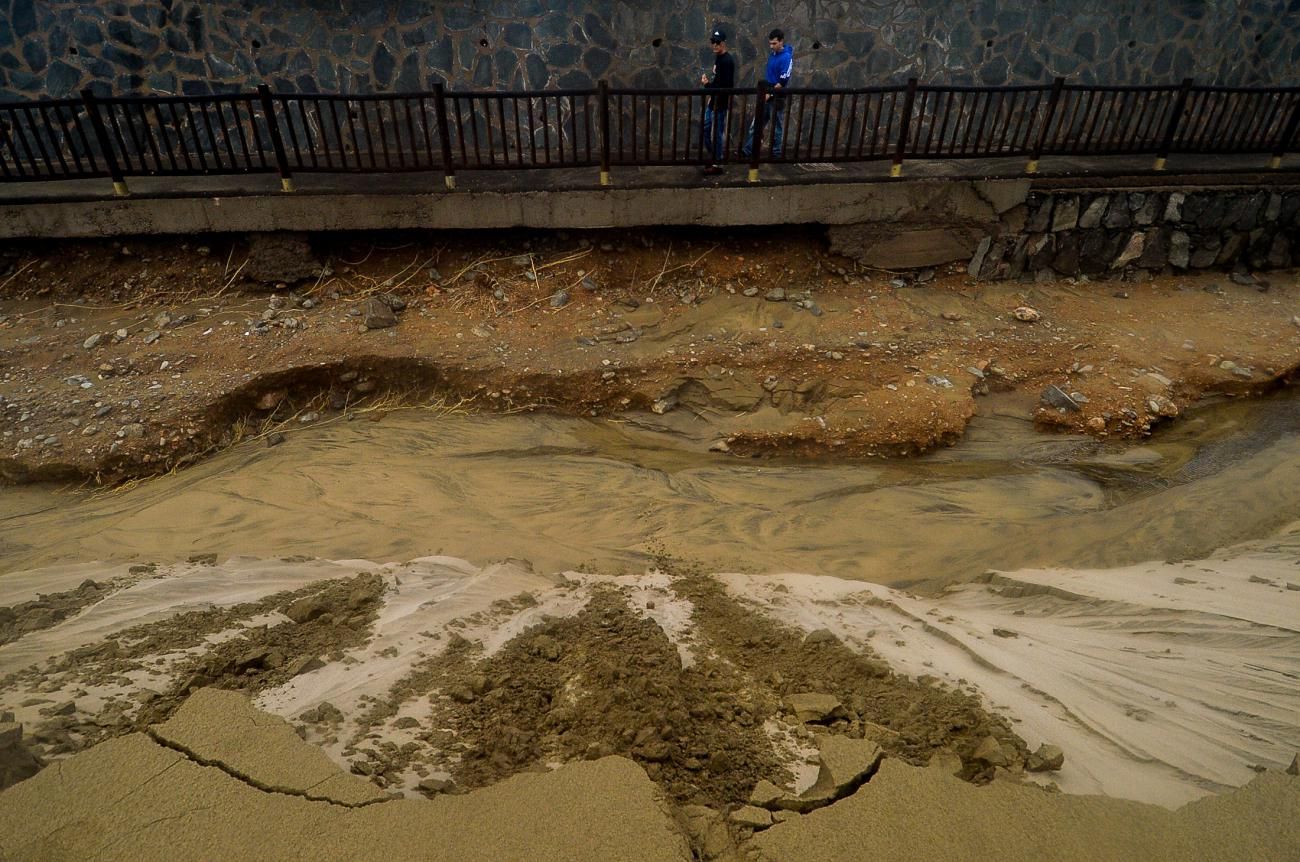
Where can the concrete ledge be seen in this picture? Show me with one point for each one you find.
(977, 201)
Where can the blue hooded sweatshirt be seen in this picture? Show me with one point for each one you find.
(780, 66)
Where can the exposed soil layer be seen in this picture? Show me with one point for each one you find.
(129, 360)
(607, 680)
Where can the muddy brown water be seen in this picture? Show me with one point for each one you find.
(566, 493)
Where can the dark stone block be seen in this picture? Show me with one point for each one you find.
(1155, 251)
(599, 33)
(191, 67)
(98, 68)
(195, 88)
(519, 36)
(1085, 46)
(408, 79)
(35, 55)
(6, 34)
(325, 76)
(341, 44)
(458, 18)
(1117, 216)
(306, 84)
(22, 16)
(194, 27)
(575, 80)
(101, 89)
(383, 65)
(146, 16)
(858, 42)
(61, 79)
(421, 35)
(9, 61)
(483, 78)
(440, 55)
(176, 41)
(563, 56)
(220, 68)
(1096, 251)
(162, 82)
(596, 61)
(1211, 216)
(123, 59)
(1066, 260)
(411, 11)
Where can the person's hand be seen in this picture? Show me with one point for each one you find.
(766, 96)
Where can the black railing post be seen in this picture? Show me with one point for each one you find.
(444, 135)
(1288, 132)
(904, 128)
(1180, 104)
(105, 145)
(756, 142)
(1058, 86)
(603, 88)
(277, 142)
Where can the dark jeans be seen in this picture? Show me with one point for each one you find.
(714, 134)
(773, 118)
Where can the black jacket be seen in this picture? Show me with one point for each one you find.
(724, 77)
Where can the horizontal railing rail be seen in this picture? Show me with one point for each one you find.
(450, 131)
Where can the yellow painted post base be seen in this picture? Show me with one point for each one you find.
(120, 189)
(753, 175)
(1032, 167)
(1160, 164)
(604, 178)
(895, 170)
(1275, 163)
(451, 182)
(286, 184)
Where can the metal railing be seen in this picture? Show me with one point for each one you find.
(445, 131)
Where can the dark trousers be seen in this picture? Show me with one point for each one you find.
(714, 133)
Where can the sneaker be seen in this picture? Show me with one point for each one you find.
(712, 170)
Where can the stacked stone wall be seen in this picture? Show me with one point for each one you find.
(173, 46)
(1118, 233)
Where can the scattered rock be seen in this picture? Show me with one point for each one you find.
(92, 342)
(776, 294)
(434, 786)
(203, 559)
(1048, 758)
(1055, 397)
(990, 753)
(815, 707)
(559, 299)
(376, 314)
(275, 438)
(1026, 314)
(271, 400)
(821, 636)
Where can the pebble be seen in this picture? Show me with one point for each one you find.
(750, 291)
(559, 299)
(152, 337)
(1026, 314)
(776, 294)
(92, 342)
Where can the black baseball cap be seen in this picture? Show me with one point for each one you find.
(718, 36)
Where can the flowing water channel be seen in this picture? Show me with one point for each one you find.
(567, 493)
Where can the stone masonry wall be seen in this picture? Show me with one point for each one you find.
(51, 47)
(1117, 233)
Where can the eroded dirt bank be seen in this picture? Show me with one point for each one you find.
(125, 360)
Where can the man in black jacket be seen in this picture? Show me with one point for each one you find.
(714, 130)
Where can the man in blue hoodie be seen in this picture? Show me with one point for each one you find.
(780, 66)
